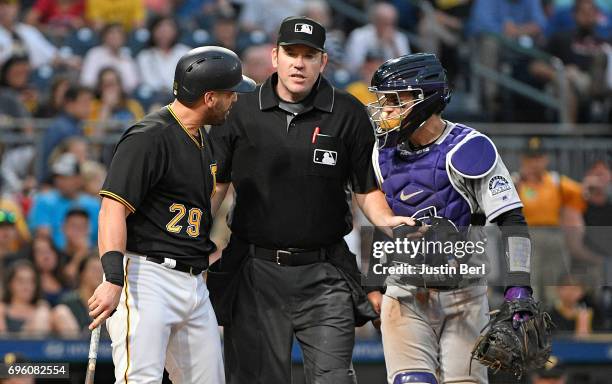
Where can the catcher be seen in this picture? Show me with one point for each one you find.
(449, 176)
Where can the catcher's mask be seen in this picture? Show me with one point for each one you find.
(408, 89)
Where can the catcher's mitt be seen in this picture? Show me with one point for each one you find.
(516, 349)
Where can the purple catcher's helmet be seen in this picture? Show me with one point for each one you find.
(421, 74)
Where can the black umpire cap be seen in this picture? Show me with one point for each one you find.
(207, 69)
(301, 30)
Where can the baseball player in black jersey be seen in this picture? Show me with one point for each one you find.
(154, 230)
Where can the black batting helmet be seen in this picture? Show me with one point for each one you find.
(206, 69)
(420, 73)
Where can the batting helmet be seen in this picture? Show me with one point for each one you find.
(206, 69)
(423, 75)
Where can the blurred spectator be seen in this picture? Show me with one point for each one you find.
(571, 313)
(50, 207)
(111, 103)
(77, 108)
(225, 31)
(381, 33)
(128, 13)
(22, 310)
(257, 62)
(562, 18)
(77, 231)
(48, 263)
(267, 15)
(8, 235)
(18, 170)
(21, 39)
(94, 174)
(319, 11)
(550, 200)
(517, 20)
(57, 18)
(441, 28)
(71, 316)
(76, 145)
(359, 88)
(595, 238)
(8, 204)
(509, 18)
(546, 195)
(437, 27)
(591, 243)
(159, 7)
(111, 53)
(52, 106)
(410, 14)
(15, 75)
(597, 186)
(586, 65)
(198, 11)
(156, 63)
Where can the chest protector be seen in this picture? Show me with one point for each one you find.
(416, 181)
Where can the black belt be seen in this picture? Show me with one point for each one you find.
(289, 257)
(175, 264)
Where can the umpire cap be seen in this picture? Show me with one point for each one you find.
(206, 69)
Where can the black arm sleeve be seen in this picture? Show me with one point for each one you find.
(517, 247)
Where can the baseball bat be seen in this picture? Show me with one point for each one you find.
(93, 355)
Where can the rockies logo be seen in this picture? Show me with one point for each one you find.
(498, 184)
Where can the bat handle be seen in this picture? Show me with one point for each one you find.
(93, 355)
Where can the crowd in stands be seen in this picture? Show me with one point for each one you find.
(74, 72)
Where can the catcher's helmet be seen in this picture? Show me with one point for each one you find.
(206, 69)
(423, 75)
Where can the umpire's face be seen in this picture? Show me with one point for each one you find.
(298, 68)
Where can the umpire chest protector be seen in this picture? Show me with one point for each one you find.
(415, 181)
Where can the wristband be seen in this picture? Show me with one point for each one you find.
(112, 263)
(513, 293)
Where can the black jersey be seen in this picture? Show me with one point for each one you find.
(290, 169)
(166, 178)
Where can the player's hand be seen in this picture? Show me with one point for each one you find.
(103, 302)
(375, 298)
(394, 221)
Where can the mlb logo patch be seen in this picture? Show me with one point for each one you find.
(325, 157)
(303, 28)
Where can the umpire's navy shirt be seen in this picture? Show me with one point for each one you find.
(291, 192)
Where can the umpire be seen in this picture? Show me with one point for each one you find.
(291, 148)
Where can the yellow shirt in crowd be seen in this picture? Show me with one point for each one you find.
(125, 12)
(543, 201)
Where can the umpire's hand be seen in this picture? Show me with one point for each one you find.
(103, 302)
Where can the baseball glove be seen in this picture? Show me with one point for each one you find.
(515, 347)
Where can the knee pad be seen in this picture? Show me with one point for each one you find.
(414, 378)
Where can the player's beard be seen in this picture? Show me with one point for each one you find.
(219, 114)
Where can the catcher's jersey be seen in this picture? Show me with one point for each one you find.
(460, 174)
(166, 178)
